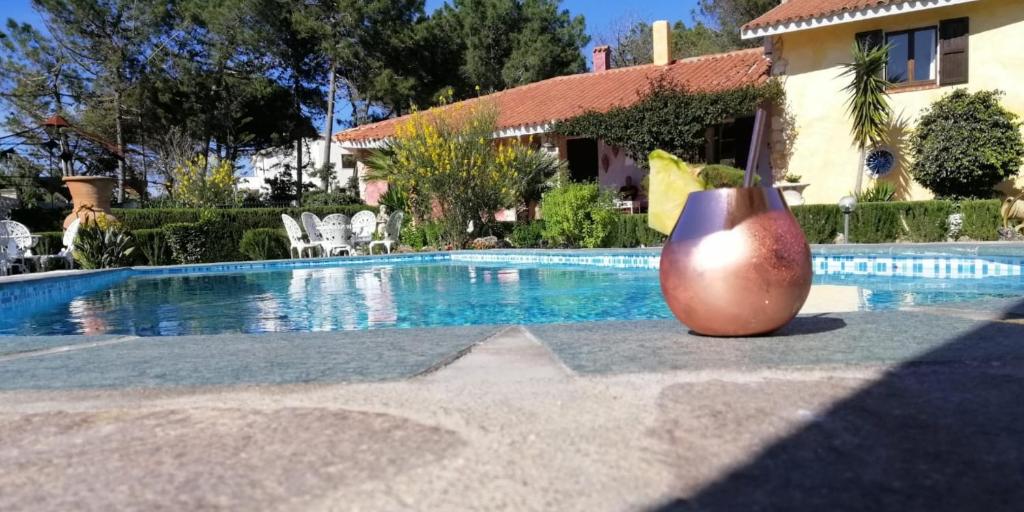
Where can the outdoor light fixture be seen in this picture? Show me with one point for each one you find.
(847, 205)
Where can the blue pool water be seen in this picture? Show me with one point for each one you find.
(416, 294)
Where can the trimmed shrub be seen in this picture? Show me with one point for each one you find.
(913, 221)
(926, 220)
(724, 176)
(40, 219)
(422, 235)
(578, 215)
(321, 198)
(264, 244)
(981, 219)
(186, 241)
(820, 222)
(527, 235)
(875, 223)
(152, 247)
(239, 218)
(206, 241)
(632, 231)
(965, 144)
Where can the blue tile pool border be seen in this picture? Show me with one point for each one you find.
(943, 261)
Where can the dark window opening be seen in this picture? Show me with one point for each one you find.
(583, 159)
(348, 161)
(729, 143)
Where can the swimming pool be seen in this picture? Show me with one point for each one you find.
(471, 288)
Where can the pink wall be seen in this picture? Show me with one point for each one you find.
(614, 166)
(372, 190)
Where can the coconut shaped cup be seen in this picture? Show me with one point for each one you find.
(737, 263)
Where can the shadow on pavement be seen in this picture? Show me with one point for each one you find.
(926, 437)
(801, 325)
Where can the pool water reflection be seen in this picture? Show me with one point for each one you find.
(416, 295)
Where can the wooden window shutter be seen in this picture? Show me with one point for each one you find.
(953, 39)
(871, 39)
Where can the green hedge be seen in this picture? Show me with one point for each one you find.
(632, 231)
(151, 247)
(982, 219)
(264, 244)
(527, 235)
(40, 219)
(907, 221)
(422, 235)
(821, 222)
(206, 241)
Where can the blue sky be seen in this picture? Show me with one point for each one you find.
(601, 16)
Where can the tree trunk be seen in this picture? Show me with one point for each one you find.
(298, 172)
(119, 128)
(298, 145)
(860, 172)
(328, 128)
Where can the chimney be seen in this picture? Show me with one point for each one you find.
(602, 58)
(662, 43)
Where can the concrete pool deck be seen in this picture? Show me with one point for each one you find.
(898, 410)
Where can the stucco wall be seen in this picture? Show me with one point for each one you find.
(614, 166)
(820, 147)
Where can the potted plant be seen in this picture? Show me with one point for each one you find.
(792, 189)
(736, 262)
(90, 195)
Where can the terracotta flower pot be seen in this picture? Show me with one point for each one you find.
(737, 263)
(90, 195)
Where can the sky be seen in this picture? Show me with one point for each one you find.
(601, 17)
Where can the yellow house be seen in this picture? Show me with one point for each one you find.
(937, 46)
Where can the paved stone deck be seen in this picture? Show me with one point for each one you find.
(911, 410)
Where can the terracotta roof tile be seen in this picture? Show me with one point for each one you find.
(565, 97)
(796, 10)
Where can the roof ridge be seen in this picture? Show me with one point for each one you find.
(734, 59)
(695, 58)
(824, 11)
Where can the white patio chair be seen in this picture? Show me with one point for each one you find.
(19, 243)
(67, 252)
(5, 266)
(391, 232)
(298, 245)
(363, 225)
(336, 218)
(337, 235)
(311, 223)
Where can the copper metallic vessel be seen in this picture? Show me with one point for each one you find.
(737, 263)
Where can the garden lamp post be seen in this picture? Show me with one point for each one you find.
(56, 127)
(847, 205)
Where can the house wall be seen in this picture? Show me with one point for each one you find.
(369, 190)
(811, 137)
(615, 166)
(270, 163)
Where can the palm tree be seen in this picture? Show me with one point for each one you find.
(868, 104)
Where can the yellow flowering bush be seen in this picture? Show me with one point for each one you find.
(199, 183)
(448, 164)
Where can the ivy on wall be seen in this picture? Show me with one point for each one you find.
(669, 117)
